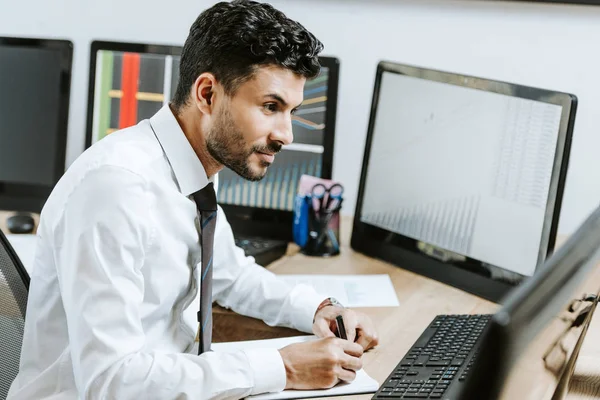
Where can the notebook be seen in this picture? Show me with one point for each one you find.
(362, 384)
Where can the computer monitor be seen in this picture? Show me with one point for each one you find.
(35, 80)
(531, 344)
(128, 82)
(462, 177)
(265, 208)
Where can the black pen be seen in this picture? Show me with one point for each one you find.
(341, 328)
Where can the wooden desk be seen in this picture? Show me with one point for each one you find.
(421, 299)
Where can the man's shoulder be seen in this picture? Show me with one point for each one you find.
(122, 154)
(134, 148)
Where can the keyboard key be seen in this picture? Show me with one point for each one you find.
(437, 364)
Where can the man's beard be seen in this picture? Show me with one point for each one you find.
(225, 143)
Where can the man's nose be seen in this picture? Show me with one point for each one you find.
(283, 132)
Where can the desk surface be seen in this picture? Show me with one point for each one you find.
(421, 299)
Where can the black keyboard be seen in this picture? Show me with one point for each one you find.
(440, 359)
(264, 251)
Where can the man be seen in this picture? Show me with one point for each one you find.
(125, 242)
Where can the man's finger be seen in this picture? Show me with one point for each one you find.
(354, 349)
(367, 339)
(351, 363)
(366, 333)
(346, 375)
(350, 322)
(321, 328)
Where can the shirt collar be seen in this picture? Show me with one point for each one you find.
(186, 165)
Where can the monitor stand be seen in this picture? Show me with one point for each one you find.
(585, 318)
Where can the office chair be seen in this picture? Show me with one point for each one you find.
(14, 286)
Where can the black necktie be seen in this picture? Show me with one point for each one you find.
(206, 202)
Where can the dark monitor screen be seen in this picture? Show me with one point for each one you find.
(128, 82)
(532, 342)
(35, 76)
(463, 176)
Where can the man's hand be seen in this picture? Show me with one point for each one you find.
(359, 327)
(320, 364)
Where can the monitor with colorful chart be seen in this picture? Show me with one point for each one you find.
(129, 82)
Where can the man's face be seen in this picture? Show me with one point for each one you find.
(251, 126)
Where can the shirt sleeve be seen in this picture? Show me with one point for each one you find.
(100, 255)
(249, 289)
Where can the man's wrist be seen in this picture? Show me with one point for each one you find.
(330, 301)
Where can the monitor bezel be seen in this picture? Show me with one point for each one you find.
(28, 197)
(477, 277)
(97, 45)
(277, 224)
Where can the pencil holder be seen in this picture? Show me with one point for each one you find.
(323, 237)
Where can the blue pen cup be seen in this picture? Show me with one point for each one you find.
(317, 232)
(301, 217)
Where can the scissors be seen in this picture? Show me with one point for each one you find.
(327, 199)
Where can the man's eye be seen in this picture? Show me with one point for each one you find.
(294, 111)
(271, 107)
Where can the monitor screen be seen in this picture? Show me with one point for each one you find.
(464, 171)
(469, 167)
(131, 82)
(34, 101)
(304, 156)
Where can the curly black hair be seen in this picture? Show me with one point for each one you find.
(232, 39)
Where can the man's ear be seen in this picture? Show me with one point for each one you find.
(203, 93)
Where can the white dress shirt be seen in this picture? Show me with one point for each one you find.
(114, 286)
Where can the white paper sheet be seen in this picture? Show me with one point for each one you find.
(351, 290)
(24, 245)
(362, 384)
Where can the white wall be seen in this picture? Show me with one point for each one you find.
(544, 45)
